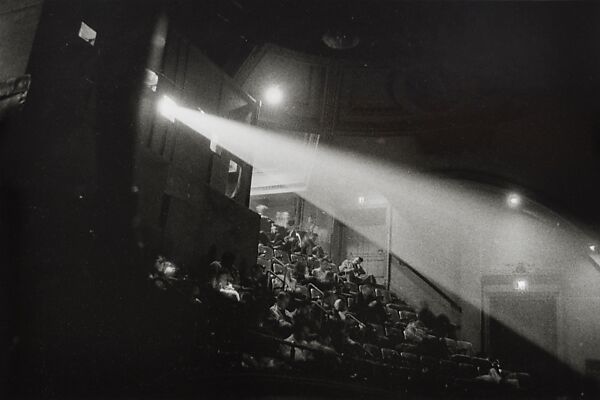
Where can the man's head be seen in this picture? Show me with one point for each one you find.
(366, 290)
(324, 265)
(222, 279)
(283, 300)
(357, 260)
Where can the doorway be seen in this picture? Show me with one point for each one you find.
(521, 330)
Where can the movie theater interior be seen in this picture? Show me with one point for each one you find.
(300, 199)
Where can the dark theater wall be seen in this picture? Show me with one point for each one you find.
(85, 189)
(184, 212)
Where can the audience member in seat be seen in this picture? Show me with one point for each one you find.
(340, 313)
(299, 272)
(317, 250)
(367, 306)
(355, 272)
(291, 244)
(324, 276)
(280, 316)
(307, 244)
(276, 235)
(341, 340)
(416, 332)
(225, 287)
(298, 336)
(293, 232)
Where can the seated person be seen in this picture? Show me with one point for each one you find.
(340, 313)
(427, 344)
(307, 244)
(224, 286)
(416, 332)
(325, 278)
(290, 244)
(277, 236)
(299, 272)
(341, 340)
(298, 336)
(368, 307)
(281, 318)
(355, 272)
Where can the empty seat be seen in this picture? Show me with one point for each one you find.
(430, 362)
(372, 350)
(379, 330)
(451, 345)
(406, 347)
(298, 257)
(463, 347)
(282, 255)
(264, 262)
(315, 294)
(409, 359)
(483, 364)
(392, 313)
(302, 290)
(278, 268)
(389, 355)
(265, 251)
(407, 316)
(467, 371)
(461, 358)
(448, 367)
(393, 333)
(351, 287)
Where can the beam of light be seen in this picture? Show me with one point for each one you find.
(273, 95)
(438, 224)
(168, 108)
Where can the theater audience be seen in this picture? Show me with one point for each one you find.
(325, 326)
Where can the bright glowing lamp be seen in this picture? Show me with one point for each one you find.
(513, 200)
(168, 108)
(273, 95)
(522, 284)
